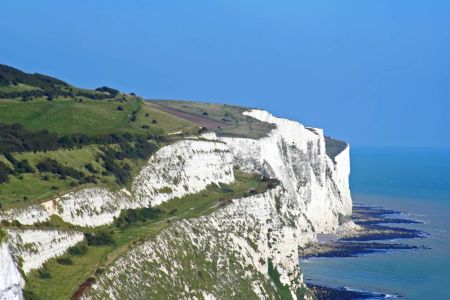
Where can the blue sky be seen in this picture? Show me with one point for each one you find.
(375, 73)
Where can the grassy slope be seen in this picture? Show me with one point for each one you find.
(67, 116)
(35, 189)
(19, 87)
(60, 286)
(91, 117)
(240, 125)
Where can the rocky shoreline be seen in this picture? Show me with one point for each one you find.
(374, 232)
(342, 293)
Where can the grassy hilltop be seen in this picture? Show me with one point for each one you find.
(55, 137)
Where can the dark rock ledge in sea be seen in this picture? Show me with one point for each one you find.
(374, 236)
(368, 239)
(342, 293)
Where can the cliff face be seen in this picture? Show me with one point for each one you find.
(34, 247)
(237, 248)
(250, 232)
(317, 188)
(10, 279)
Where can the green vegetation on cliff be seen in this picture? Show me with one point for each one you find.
(125, 233)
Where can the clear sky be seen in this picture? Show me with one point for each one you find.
(372, 72)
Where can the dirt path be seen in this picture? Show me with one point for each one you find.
(200, 120)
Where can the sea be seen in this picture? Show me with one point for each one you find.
(416, 182)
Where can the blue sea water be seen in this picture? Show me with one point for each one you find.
(417, 183)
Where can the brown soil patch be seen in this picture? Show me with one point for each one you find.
(87, 284)
(200, 120)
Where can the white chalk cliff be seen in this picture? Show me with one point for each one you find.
(236, 242)
(11, 281)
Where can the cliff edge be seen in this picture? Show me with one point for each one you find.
(248, 247)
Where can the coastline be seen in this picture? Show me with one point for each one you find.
(376, 230)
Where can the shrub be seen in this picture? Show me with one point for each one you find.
(90, 168)
(4, 172)
(100, 237)
(52, 166)
(19, 166)
(64, 261)
(16, 223)
(2, 235)
(131, 216)
(79, 249)
(44, 274)
(111, 91)
(73, 184)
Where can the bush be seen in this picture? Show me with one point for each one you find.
(2, 235)
(140, 149)
(52, 166)
(19, 166)
(101, 237)
(131, 216)
(44, 275)
(79, 249)
(4, 172)
(64, 261)
(16, 223)
(111, 91)
(73, 184)
(91, 168)
(23, 167)
(15, 138)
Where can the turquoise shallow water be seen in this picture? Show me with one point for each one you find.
(417, 183)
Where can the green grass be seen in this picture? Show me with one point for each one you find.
(61, 286)
(165, 123)
(90, 117)
(31, 188)
(18, 88)
(2, 235)
(67, 116)
(283, 290)
(240, 125)
(75, 158)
